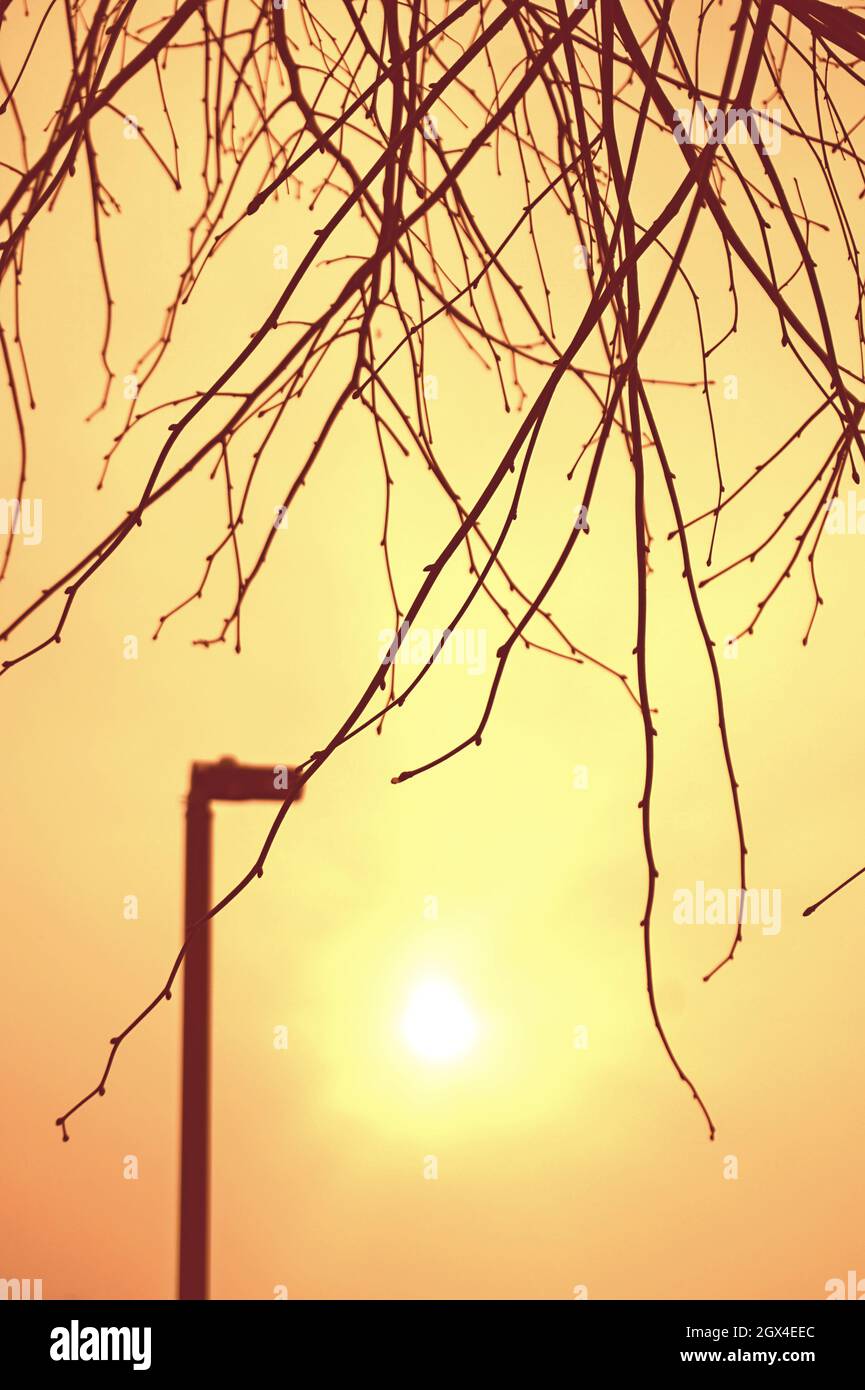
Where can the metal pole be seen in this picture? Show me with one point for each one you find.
(195, 1122)
(225, 780)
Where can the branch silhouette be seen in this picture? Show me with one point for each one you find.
(571, 109)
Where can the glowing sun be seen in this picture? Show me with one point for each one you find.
(437, 1024)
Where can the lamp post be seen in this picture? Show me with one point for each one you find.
(226, 780)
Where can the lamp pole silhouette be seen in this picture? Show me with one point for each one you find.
(226, 780)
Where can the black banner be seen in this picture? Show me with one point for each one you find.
(84, 1339)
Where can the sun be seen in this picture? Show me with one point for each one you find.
(437, 1024)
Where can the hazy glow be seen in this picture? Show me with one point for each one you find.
(437, 1025)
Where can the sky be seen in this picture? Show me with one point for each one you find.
(557, 1155)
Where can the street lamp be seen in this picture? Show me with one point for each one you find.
(225, 780)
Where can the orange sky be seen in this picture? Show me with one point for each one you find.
(557, 1166)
